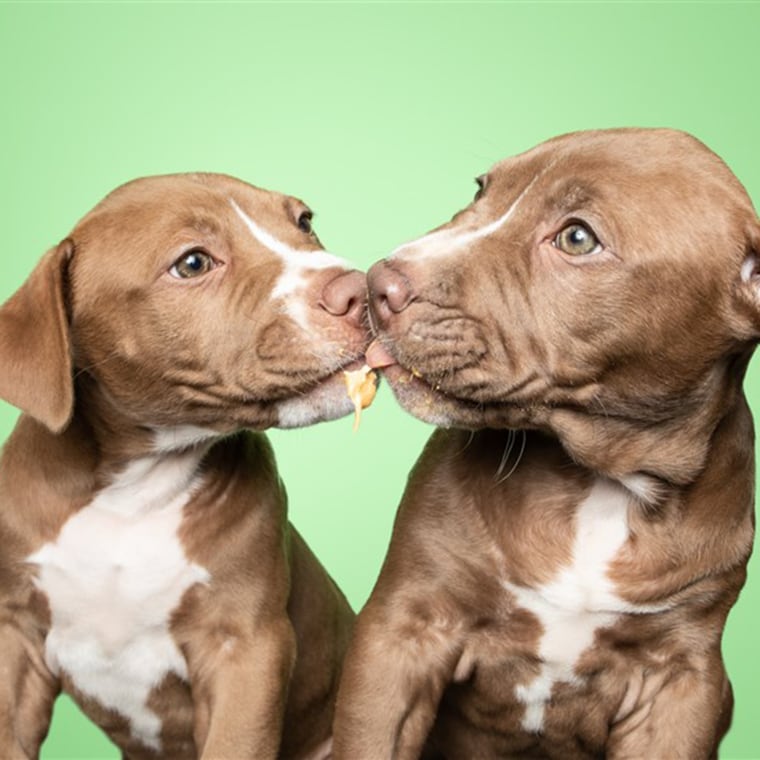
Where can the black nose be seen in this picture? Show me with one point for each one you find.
(390, 291)
(345, 296)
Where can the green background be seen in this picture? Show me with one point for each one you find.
(379, 116)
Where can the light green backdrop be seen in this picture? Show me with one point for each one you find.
(379, 116)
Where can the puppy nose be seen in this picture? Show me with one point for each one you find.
(389, 290)
(345, 296)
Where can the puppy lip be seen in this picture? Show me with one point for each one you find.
(354, 364)
(407, 381)
(437, 407)
(426, 402)
(336, 373)
(332, 373)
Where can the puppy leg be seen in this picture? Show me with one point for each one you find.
(27, 693)
(393, 678)
(685, 719)
(240, 693)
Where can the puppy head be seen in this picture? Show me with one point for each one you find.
(601, 276)
(187, 300)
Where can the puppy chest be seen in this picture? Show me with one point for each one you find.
(570, 609)
(112, 583)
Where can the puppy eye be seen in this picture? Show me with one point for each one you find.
(304, 221)
(577, 240)
(481, 183)
(192, 263)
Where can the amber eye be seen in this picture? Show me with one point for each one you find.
(577, 240)
(304, 221)
(192, 263)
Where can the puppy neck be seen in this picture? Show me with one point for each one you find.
(120, 440)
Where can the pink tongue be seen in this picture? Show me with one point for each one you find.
(377, 356)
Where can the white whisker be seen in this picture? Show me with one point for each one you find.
(518, 459)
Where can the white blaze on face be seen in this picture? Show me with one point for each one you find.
(580, 600)
(297, 265)
(449, 241)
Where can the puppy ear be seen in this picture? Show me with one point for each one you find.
(748, 287)
(35, 350)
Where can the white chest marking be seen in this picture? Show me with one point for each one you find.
(296, 264)
(112, 578)
(580, 600)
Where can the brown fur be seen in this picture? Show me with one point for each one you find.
(102, 349)
(621, 364)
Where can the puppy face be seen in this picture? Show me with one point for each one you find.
(601, 273)
(201, 300)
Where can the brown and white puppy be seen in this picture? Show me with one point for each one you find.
(147, 566)
(559, 576)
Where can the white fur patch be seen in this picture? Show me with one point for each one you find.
(450, 241)
(328, 401)
(113, 577)
(580, 600)
(749, 268)
(323, 752)
(180, 437)
(644, 487)
(296, 264)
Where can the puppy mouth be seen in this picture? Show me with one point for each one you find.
(325, 399)
(421, 398)
(399, 374)
(330, 371)
(434, 404)
(331, 381)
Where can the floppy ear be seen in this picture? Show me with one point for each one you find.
(35, 350)
(748, 287)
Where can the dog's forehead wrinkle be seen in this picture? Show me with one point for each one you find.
(202, 222)
(572, 194)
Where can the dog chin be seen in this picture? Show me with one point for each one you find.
(325, 401)
(428, 404)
